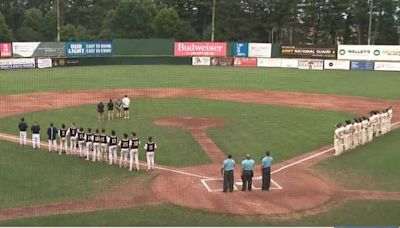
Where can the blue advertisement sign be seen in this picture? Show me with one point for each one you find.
(241, 50)
(361, 65)
(89, 48)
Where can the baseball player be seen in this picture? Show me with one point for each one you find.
(379, 118)
(63, 139)
(52, 133)
(370, 129)
(89, 143)
(124, 144)
(22, 132)
(125, 104)
(73, 135)
(118, 107)
(150, 147)
(384, 119)
(103, 156)
(390, 116)
(134, 153)
(336, 139)
(96, 145)
(357, 132)
(348, 135)
(35, 135)
(364, 130)
(374, 121)
(81, 141)
(112, 148)
(110, 110)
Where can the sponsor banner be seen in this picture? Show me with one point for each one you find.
(6, 64)
(201, 61)
(5, 50)
(245, 62)
(267, 62)
(24, 49)
(50, 49)
(62, 62)
(308, 51)
(369, 52)
(260, 50)
(337, 64)
(44, 63)
(289, 63)
(89, 48)
(387, 66)
(221, 61)
(241, 50)
(311, 64)
(211, 49)
(361, 65)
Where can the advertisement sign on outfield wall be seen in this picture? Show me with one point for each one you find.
(290, 63)
(89, 48)
(24, 49)
(50, 49)
(267, 62)
(311, 64)
(6, 64)
(308, 51)
(337, 64)
(221, 61)
(369, 52)
(245, 62)
(44, 63)
(5, 50)
(211, 49)
(260, 50)
(241, 49)
(361, 65)
(387, 66)
(201, 61)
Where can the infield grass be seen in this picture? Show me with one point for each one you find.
(374, 166)
(249, 128)
(358, 83)
(355, 213)
(31, 177)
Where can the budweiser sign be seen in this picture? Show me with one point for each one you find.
(200, 49)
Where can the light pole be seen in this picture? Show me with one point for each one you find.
(213, 22)
(370, 21)
(58, 20)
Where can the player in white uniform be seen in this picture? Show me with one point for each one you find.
(96, 145)
(150, 148)
(390, 116)
(384, 119)
(134, 153)
(364, 130)
(63, 139)
(356, 133)
(336, 139)
(81, 141)
(124, 144)
(348, 135)
(112, 148)
(374, 123)
(103, 156)
(89, 143)
(73, 135)
(125, 103)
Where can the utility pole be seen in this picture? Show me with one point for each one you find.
(213, 22)
(58, 20)
(370, 21)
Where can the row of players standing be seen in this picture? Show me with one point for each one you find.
(95, 145)
(362, 130)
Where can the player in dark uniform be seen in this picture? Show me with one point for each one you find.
(73, 135)
(150, 148)
(104, 146)
(96, 146)
(89, 143)
(134, 153)
(100, 110)
(63, 139)
(124, 144)
(22, 126)
(81, 141)
(110, 110)
(112, 148)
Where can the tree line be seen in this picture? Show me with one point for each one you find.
(281, 21)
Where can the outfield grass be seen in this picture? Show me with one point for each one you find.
(356, 213)
(374, 166)
(359, 83)
(32, 177)
(249, 128)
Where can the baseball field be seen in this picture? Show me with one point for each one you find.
(197, 116)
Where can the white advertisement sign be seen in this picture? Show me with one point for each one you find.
(260, 50)
(6, 64)
(369, 52)
(289, 63)
(387, 66)
(337, 65)
(44, 63)
(201, 61)
(267, 62)
(311, 64)
(24, 49)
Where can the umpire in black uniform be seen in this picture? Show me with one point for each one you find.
(227, 170)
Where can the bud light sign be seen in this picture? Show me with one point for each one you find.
(89, 48)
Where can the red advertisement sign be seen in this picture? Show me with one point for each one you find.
(245, 62)
(211, 49)
(5, 50)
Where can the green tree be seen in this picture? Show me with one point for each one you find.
(5, 34)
